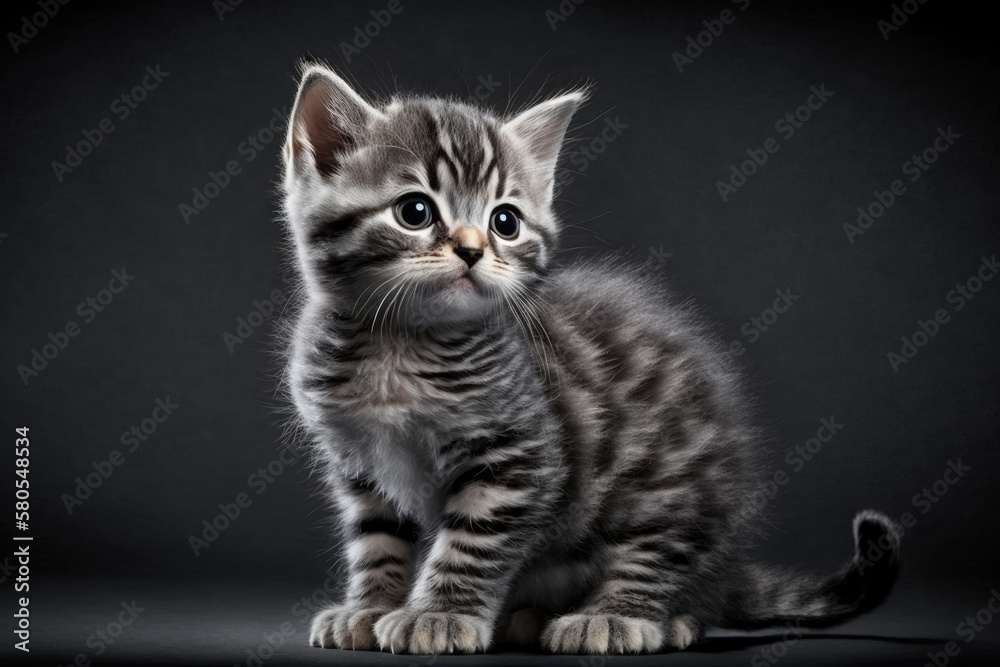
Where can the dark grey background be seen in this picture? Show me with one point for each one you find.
(654, 186)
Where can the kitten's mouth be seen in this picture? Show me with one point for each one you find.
(465, 282)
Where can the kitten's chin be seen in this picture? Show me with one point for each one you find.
(457, 303)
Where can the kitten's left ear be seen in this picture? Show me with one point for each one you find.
(542, 128)
(328, 119)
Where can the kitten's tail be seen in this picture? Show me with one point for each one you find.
(772, 595)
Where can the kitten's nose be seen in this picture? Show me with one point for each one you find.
(469, 255)
(468, 243)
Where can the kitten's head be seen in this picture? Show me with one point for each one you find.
(421, 210)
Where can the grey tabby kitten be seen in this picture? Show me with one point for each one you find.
(516, 451)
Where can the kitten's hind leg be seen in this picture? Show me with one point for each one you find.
(682, 631)
(631, 610)
(378, 551)
(594, 631)
(613, 633)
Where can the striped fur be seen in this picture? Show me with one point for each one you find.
(516, 451)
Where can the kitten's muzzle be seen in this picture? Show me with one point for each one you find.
(468, 244)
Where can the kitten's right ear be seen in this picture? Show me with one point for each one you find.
(328, 119)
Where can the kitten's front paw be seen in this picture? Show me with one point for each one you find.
(602, 634)
(412, 631)
(345, 626)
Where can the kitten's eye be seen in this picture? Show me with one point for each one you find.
(505, 223)
(414, 212)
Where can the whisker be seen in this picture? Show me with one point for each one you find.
(396, 275)
(376, 319)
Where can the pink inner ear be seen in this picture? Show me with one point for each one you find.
(315, 135)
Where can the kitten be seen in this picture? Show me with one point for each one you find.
(516, 451)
